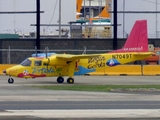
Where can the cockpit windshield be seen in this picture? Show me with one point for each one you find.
(26, 62)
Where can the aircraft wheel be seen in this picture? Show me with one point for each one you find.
(10, 80)
(70, 80)
(60, 79)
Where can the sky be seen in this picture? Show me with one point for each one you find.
(128, 20)
(9, 23)
(21, 22)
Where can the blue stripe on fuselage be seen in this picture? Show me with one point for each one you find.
(82, 70)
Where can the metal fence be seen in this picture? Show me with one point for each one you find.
(15, 56)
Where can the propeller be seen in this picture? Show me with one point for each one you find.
(85, 48)
(46, 51)
(36, 51)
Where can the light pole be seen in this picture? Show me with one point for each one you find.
(90, 9)
(156, 19)
(38, 25)
(100, 7)
(84, 9)
(89, 18)
(123, 18)
(115, 25)
(59, 18)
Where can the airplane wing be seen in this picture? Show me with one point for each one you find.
(74, 57)
(67, 57)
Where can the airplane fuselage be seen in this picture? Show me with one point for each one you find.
(36, 67)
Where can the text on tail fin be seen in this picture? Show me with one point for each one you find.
(138, 38)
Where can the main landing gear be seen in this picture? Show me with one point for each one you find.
(10, 80)
(70, 80)
(61, 80)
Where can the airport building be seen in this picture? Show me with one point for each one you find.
(128, 12)
(94, 13)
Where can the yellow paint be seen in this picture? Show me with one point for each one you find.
(66, 64)
(120, 70)
(101, 60)
(151, 70)
(117, 70)
(5, 66)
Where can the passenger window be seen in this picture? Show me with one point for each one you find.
(37, 63)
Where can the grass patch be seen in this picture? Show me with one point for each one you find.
(97, 88)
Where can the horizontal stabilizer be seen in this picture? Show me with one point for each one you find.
(143, 53)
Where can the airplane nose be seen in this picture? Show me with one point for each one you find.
(4, 71)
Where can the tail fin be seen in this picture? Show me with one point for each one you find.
(79, 6)
(138, 38)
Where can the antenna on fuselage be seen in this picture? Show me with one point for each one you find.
(85, 48)
(46, 51)
(36, 51)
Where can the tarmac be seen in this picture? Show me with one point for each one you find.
(23, 91)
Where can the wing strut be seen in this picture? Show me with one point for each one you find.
(71, 69)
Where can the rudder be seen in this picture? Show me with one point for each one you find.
(138, 38)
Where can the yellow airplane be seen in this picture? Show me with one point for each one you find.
(60, 65)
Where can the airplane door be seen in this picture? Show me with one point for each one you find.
(37, 67)
(58, 70)
(61, 70)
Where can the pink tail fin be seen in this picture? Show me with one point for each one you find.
(138, 38)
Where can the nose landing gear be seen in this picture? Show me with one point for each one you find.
(10, 80)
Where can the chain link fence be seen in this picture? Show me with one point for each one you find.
(15, 56)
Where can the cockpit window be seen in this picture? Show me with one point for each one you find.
(37, 63)
(26, 62)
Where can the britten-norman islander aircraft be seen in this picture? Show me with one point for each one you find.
(60, 65)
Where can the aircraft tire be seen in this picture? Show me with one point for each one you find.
(60, 79)
(10, 80)
(70, 80)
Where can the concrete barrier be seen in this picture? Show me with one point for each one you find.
(124, 70)
(151, 70)
(120, 70)
(4, 67)
(97, 73)
(117, 70)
